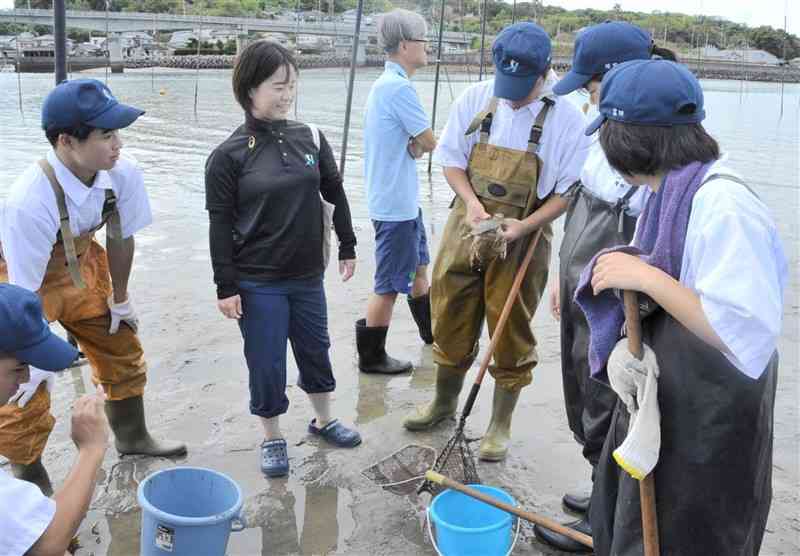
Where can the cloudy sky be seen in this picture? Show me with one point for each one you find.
(751, 12)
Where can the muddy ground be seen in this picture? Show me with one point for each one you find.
(197, 392)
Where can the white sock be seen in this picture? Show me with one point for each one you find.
(272, 428)
(322, 407)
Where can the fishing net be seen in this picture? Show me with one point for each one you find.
(403, 472)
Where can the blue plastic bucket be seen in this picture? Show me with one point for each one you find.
(468, 527)
(188, 511)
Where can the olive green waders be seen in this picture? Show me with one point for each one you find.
(505, 181)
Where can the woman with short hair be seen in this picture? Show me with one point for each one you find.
(263, 188)
(707, 262)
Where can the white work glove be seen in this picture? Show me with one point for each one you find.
(122, 312)
(27, 390)
(636, 384)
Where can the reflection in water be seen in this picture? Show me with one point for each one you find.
(371, 402)
(296, 518)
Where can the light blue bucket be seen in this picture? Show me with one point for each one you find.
(188, 511)
(468, 527)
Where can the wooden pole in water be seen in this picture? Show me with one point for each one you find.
(514, 12)
(353, 62)
(60, 36)
(197, 67)
(483, 39)
(436, 79)
(108, 45)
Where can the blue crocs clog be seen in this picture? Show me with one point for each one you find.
(274, 458)
(336, 433)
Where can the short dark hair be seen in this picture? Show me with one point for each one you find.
(256, 64)
(649, 150)
(80, 132)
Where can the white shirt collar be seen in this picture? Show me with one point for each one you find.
(72, 186)
(547, 91)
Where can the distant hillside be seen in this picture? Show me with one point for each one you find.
(682, 32)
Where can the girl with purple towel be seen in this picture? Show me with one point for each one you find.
(706, 252)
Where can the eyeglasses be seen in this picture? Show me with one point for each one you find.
(416, 40)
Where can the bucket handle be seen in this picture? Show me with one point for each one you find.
(238, 523)
(436, 547)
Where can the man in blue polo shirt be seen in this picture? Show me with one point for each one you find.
(397, 131)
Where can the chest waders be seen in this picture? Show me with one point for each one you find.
(591, 224)
(505, 181)
(713, 481)
(75, 292)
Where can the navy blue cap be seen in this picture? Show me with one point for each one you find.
(25, 334)
(86, 101)
(521, 54)
(601, 47)
(650, 92)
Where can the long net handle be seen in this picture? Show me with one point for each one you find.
(647, 486)
(501, 323)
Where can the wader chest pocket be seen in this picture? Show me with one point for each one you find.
(505, 193)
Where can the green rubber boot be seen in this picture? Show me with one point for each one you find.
(126, 418)
(35, 473)
(449, 381)
(494, 445)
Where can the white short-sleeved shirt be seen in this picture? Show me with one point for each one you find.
(734, 261)
(30, 220)
(25, 513)
(606, 183)
(564, 146)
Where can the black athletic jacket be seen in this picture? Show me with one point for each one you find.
(262, 195)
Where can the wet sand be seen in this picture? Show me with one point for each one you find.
(197, 391)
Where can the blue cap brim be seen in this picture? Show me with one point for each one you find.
(595, 125)
(513, 88)
(117, 117)
(572, 81)
(51, 354)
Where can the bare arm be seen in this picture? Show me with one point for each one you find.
(90, 433)
(552, 208)
(426, 141)
(120, 262)
(459, 183)
(627, 272)
(683, 304)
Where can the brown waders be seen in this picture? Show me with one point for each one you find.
(505, 181)
(75, 293)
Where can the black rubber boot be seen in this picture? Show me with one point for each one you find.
(577, 503)
(421, 311)
(126, 418)
(372, 357)
(33, 473)
(562, 542)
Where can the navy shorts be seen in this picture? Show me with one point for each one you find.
(400, 247)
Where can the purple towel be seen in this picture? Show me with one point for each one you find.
(659, 241)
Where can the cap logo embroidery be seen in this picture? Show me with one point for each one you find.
(309, 160)
(611, 65)
(617, 112)
(512, 66)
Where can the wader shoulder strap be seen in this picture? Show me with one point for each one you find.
(111, 216)
(66, 233)
(538, 126)
(729, 177)
(483, 121)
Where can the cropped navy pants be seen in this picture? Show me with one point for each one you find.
(274, 312)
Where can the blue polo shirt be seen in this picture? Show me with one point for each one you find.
(394, 114)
